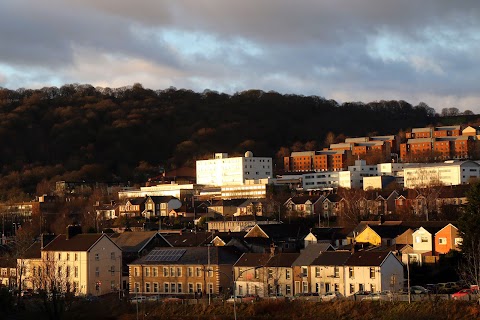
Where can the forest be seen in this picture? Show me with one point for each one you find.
(85, 133)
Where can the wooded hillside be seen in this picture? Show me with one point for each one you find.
(78, 132)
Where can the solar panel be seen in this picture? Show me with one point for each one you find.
(165, 255)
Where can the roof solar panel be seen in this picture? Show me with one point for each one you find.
(165, 255)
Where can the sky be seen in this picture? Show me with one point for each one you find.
(346, 50)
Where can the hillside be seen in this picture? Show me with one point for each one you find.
(78, 132)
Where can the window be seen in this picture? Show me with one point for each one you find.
(155, 272)
(147, 272)
(147, 287)
(137, 287)
(75, 272)
(270, 273)
(189, 272)
(179, 272)
(97, 257)
(287, 274)
(173, 288)
(179, 287)
(67, 272)
(351, 272)
(199, 287)
(372, 288)
(172, 272)
(288, 289)
(336, 272)
(458, 241)
(112, 271)
(210, 288)
(112, 256)
(240, 290)
(59, 256)
(256, 274)
(165, 287)
(352, 288)
(336, 287)
(304, 271)
(198, 272)
(424, 239)
(210, 273)
(59, 271)
(442, 240)
(76, 257)
(75, 286)
(97, 271)
(304, 286)
(190, 288)
(165, 272)
(68, 256)
(112, 285)
(372, 273)
(135, 272)
(317, 272)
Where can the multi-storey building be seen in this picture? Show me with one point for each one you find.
(317, 160)
(225, 170)
(448, 173)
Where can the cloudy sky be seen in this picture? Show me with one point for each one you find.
(347, 50)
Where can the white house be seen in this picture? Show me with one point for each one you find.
(373, 271)
(223, 170)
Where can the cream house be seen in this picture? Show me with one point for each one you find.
(86, 264)
(373, 271)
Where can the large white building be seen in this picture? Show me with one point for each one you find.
(449, 173)
(223, 170)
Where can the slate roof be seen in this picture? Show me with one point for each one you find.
(304, 199)
(367, 258)
(282, 260)
(311, 252)
(283, 230)
(332, 258)
(136, 201)
(188, 239)
(227, 236)
(389, 232)
(134, 241)
(8, 262)
(195, 256)
(252, 260)
(80, 242)
(228, 203)
(161, 199)
(333, 197)
(330, 233)
(33, 252)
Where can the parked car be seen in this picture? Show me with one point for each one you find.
(138, 299)
(380, 295)
(330, 296)
(463, 293)
(153, 298)
(431, 287)
(250, 298)
(418, 290)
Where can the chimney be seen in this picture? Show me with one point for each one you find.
(73, 231)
